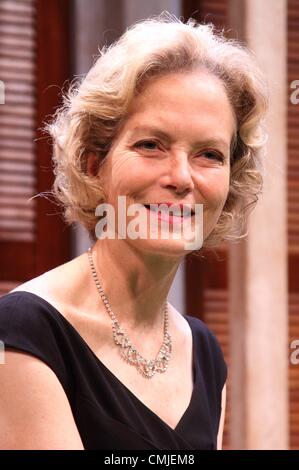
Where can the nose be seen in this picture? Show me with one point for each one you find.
(178, 177)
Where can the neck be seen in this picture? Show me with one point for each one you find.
(136, 283)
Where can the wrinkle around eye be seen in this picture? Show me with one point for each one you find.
(214, 156)
(144, 142)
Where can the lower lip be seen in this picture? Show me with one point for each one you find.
(168, 218)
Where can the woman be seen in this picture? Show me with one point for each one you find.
(96, 358)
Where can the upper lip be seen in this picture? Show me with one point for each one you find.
(176, 205)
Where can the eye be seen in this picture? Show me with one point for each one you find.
(211, 155)
(147, 144)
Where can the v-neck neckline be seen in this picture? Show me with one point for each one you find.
(117, 380)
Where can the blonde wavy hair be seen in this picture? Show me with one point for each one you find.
(95, 106)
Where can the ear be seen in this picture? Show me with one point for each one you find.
(92, 163)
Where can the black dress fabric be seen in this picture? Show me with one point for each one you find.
(107, 414)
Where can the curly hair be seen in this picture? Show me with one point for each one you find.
(95, 106)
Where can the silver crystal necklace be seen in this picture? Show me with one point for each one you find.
(145, 367)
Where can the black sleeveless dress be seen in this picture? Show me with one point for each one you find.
(107, 414)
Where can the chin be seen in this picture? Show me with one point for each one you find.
(164, 247)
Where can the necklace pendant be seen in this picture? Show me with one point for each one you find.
(147, 368)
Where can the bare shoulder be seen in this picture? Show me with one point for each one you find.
(29, 419)
(49, 279)
(44, 286)
(70, 289)
(59, 284)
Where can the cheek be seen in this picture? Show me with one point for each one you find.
(214, 188)
(214, 192)
(126, 175)
(119, 171)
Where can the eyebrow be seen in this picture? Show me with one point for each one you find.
(164, 135)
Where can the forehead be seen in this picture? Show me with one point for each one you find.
(193, 102)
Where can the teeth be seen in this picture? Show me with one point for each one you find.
(175, 212)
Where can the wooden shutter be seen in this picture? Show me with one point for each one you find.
(293, 214)
(34, 63)
(17, 133)
(214, 11)
(207, 278)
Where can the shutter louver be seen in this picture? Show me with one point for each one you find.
(17, 120)
(34, 64)
(293, 215)
(293, 373)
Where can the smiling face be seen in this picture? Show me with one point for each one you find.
(174, 147)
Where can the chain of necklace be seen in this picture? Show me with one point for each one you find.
(128, 352)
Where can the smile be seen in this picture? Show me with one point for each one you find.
(174, 215)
